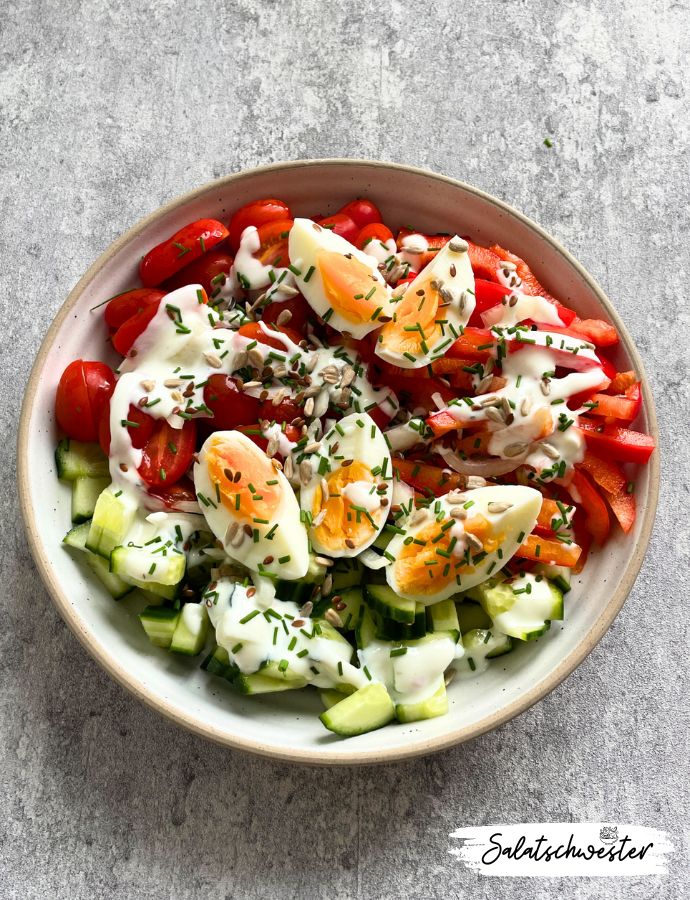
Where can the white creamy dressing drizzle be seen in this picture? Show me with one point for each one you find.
(159, 537)
(415, 676)
(476, 648)
(526, 306)
(410, 253)
(382, 251)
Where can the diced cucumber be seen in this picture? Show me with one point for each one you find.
(365, 629)
(443, 616)
(384, 600)
(164, 591)
(330, 697)
(481, 638)
(353, 600)
(192, 630)
(130, 562)
(78, 536)
(560, 575)
(85, 492)
(218, 663)
(367, 709)
(346, 573)
(294, 591)
(316, 573)
(523, 608)
(111, 521)
(470, 616)
(116, 587)
(436, 705)
(269, 679)
(160, 623)
(383, 539)
(390, 630)
(330, 633)
(75, 459)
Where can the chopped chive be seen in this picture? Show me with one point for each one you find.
(249, 617)
(399, 651)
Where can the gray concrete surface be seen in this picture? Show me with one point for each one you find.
(107, 110)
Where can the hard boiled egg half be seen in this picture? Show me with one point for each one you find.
(240, 491)
(341, 283)
(349, 493)
(432, 312)
(454, 545)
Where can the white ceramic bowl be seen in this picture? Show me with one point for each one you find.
(285, 726)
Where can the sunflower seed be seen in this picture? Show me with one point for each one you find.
(306, 610)
(233, 528)
(273, 445)
(457, 512)
(490, 401)
(213, 360)
(252, 384)
(150, 384)
(278, 399)
(474, 541)
(327, 586)
(496, 415)
(240, 360)
(284, 317)
(259, 300)
(323, 561)
(507, 409)
(305, 472)
(499, 507)
(449, 676)
(462, 301)
(456, 497)
(510, 266)
(550, 450)
(287, 290)
(348, 375)
(332, 616)
(318, 519)
(312, 447)
(170, 383)
(545, 387)
(436, 284)
(279, 372)
(516, 449)
(288, 468)
(474, 482)
(446, 294)
(238, 538)
(484, 384)
(457, 245)
(313, 390)
(418, 517)
(256, 359)
(400, 290)
(311, 365)
(489, 365)
(330, 377)
(176, 396)
(278, 466)
(526, 405)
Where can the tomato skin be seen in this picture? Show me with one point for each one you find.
(231, 407)
(373, 232)
(72, 406)
(274, 238)
(157, 455)
(182, 491)
(298, 306)
(202, 271)
(100, 384)
(342, 225)
(138, 436)
(362, 213)
(121, 308)
(166, 259)
(256, 213)
(255, 332)
(126, 335)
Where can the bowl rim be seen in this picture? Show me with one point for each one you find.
(307, 757)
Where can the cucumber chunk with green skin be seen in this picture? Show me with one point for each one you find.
(436, 705)
(383, 540)
(365, 629)
(491, 643)
(269, 679)
(330, 697)
(116, 587)
(294, 591)
(346, 573)
(112, 519)
(78, 536)
(159, 624)
(75, 459)
(129, 562)
(384, 600)
(560, 575)
(191, 631)
(366, 710)
(470, 616)
(85, 493)
(162, 591)
(522, 607)
(390, 630)
(443, 616)
(218, 663)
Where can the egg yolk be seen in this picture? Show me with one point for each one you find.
(421, 569)
(414, 323)
(238, 470)
(343, 523)
(350, 288)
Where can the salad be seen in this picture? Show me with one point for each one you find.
(334, 457)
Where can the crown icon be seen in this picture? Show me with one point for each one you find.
(609, 834)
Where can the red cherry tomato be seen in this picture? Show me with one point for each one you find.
(139, 433)
(186, 245)
(171, 494)
(230, 406)
(205, 271)
(256, 213)
(380, 417)
(362, 212)
(274, 250)
(82, 390)
(126, 335)
(126, 305)
(342, 225)
(160, 463)
(297, 306)
(373, 232)
(255, 332)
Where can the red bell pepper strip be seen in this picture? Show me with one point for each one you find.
(620, 444)
(485, 263)
(462, 381)
(624, 508)
(419, 391)
(606, 473)
(623, 408)
(583, 492)
(442, 423)
(634, 393)
(530, 285)
(427, 480)
(621, 383)
(487, 294)
(595, 331)
(186, 245)
(582, 537)
(542, 550)
(468, 345)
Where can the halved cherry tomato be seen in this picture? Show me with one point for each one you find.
(182, 248)
(82, 391)
(126, 335)
(124, 306)
(342, 225)
(231, 407)
(182, 491)
(207, 271)
(362, 212)
(256, 213)
(296, 306)
(374, 232)
(255, 332)
(139, 432)
(274, 237)
(168, 452)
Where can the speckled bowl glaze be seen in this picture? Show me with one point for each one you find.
(285, 726)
